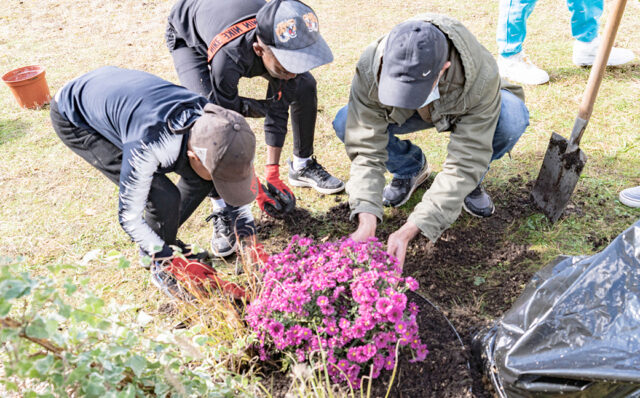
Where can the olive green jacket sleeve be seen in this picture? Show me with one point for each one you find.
(468, 156)
(365, 141)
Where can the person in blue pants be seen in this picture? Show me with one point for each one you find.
(405, 157)
(512, 30)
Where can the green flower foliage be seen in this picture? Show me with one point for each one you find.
(51, 348)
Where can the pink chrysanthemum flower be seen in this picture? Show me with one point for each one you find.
(346, 298)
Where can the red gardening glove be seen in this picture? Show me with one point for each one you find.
(199, 275)
(267, 202)
(258, 255)
(275, 199)
(283, 201)
(272, 174)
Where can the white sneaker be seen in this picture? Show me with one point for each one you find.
(584, 54)
(630, 197)
(520, 69)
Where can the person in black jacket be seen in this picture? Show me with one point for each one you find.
(135, 128)
(214, 43)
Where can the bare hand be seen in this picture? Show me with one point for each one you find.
(366, 227)
(399, 240)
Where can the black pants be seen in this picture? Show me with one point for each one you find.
(299, 94)
(168, 205)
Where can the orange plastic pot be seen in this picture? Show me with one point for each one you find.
(29, 86)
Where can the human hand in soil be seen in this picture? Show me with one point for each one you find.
(399, 240)
(366, 227)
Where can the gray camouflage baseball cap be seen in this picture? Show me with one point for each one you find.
(291, 30)
(414, 55)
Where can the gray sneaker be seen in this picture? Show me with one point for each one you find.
(399, 191)
(478, 203)
(223, 241)
(315, 176)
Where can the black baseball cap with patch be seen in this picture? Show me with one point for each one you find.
(414, 55)
(290, 28)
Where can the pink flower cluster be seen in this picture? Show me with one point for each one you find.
(344, 298)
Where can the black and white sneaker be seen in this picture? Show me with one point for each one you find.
(399, 191)
(167, 282)
(230, 224)
(315, 176)
(242, 221)
(478, 203)
(223, 241)
(185, 250)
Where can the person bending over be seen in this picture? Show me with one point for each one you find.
(136, 128)
(428, 72)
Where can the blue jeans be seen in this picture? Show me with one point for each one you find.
(406, 159)
(512, 22)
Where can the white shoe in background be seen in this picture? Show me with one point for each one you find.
(584, 54)
(630, 197)
(520, 69)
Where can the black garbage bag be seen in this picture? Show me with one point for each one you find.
(575, 331)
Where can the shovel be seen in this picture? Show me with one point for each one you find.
(564, 160)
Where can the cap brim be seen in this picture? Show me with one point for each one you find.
(409, 95)
(304, 59)
(238, 193)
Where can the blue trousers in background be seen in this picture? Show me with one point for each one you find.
(406, 159)
(512, 22)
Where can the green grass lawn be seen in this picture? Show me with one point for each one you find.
(56, 208)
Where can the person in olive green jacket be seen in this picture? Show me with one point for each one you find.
(429, 71)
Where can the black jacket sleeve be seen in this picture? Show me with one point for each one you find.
(280, 95)
(225, 75)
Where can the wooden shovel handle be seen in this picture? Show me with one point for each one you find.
(597, 71)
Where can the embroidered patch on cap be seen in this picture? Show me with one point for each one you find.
(311, 21)
(201, 153)
(292, 31)
(286, 30)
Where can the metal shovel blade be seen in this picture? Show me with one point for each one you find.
(558, 176)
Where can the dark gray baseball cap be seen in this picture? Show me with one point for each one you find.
(414, 55)
(291, 30)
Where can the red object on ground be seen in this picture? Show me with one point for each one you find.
(200, 275)
(29, 86)
(264, 197)
(258, 254)
(273, 176)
